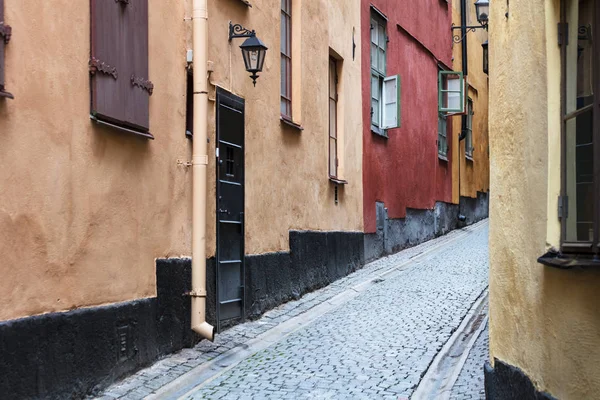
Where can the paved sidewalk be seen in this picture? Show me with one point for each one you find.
(377, 344)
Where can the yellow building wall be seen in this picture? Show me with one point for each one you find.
(85, 210)
(287, 181)
(542, 320)
(474, 174)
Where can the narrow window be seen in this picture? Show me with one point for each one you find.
(286, 59)
(5, 32)
(378, 70)
(469, 136)
(120, 86)
(333, 136)
(442, 136)
(580, 177)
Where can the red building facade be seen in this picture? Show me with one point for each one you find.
(407, 183)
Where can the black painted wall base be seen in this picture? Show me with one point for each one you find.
(71, 354)
(420, 225)
(505, 382)
(315, 260)
(475, 209)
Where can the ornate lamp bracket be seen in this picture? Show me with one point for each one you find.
(459, 38)
(238, 31)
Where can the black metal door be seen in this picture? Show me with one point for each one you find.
(230, 207)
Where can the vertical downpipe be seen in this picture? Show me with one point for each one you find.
(465, 68)
(199, 166)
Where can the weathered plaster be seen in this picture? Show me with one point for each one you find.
(475, 172)
(287, 185)
(403, 171)
(84, 210)
(543, 321)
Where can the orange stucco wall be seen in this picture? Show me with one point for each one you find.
(85, 210)
(475, 172)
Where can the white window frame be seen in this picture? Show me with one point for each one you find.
(377, 73)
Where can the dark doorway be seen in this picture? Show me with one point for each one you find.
(230, 208)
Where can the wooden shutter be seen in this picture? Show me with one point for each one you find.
(120, 86)
(391, 102)
(5, 32)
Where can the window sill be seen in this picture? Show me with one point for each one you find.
(568, 261)
(290, 123)
(246, 2)
(6, 94)
(338, 181)
(443, 157)
(379, 132)
(147, 135)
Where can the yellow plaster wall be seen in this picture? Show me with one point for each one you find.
(474, 174)
(84, 211)
(287, 185)
(542, 320)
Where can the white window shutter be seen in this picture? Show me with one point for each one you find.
(391, 102)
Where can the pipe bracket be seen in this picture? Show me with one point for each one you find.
(197, 293)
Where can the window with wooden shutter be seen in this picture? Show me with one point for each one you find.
(390, 109)
(120, 86)
(5, 32)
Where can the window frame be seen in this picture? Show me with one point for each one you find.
(286, 58)
(579, 247)
(443, 122)
(333, 136)
(469, 128)
(377, 20)
(4, 39)
(443, 88)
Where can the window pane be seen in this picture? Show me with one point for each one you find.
(374, 32)
(332, 157)
(332, 119)
(375, 112)
(374, 56)
(580, 130)
(375, 87)
(332, 76)
(284, 77)
(382, 38)
(382, 61)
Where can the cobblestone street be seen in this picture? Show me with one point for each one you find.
(373, 334)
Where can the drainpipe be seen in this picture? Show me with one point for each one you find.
(465, 69)
(199, 165)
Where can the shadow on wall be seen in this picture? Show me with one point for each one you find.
(419, 226)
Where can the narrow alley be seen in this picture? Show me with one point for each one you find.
(377, 333)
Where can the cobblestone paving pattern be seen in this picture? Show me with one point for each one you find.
(377, 345)
(469, 385)
(472, 263)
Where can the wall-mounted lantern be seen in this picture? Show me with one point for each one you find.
(486, 62)
(253, 49)
(482, 9)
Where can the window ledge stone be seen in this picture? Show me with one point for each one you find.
(292, 124)
(338, 181)
(470, 158)
(379, 132)
(6, 95)
(568, 261)
(442, 157)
